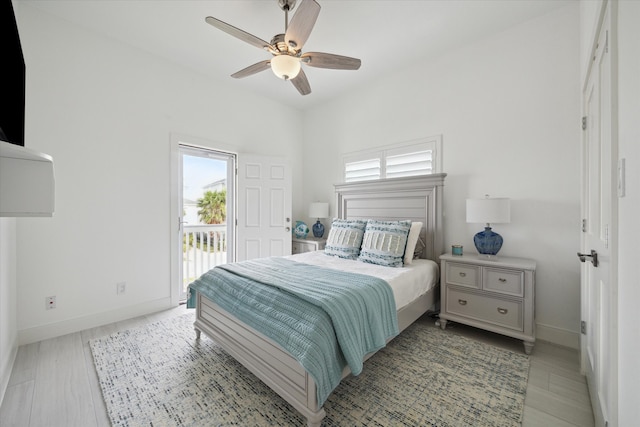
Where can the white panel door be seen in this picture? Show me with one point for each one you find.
(599, 342)
(264, 207)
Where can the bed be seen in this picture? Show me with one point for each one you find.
(418, 199)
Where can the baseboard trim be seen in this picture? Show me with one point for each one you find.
(6, 371)
(57, 329)
(558, 336)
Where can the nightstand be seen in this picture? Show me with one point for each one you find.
(496, 294)
(308, 244)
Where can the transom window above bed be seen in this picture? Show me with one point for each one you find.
(418, 157)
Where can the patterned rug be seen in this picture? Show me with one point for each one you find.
(159, 375)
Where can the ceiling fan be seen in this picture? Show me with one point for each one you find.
(287, 48)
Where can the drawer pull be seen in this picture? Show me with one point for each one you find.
(502, 280)
(462, 302)
(502, 310)
(463, 274)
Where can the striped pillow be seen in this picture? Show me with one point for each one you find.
(345, 238)
(384, 242)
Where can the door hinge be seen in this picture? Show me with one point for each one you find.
(606, 42)
(584, 225)
(584, 122)
(583, 327)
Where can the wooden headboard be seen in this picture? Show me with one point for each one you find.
(417, 198)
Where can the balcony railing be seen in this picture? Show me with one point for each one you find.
(204, 247)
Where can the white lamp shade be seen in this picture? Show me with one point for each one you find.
(285, 66)
(488, 211)
(319, 210)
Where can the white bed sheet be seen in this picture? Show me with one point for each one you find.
(408, 282)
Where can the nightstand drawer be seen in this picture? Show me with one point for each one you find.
(298, 248)
(510, 282)
(500, 312)
(463, 275)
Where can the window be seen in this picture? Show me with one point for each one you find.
(421, 157)
(362, 170)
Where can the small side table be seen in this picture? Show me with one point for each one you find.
(307, 244)
(495, 294)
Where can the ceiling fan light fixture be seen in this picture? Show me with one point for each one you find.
(285, 66)
(286, 47)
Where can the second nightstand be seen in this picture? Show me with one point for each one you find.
(309, 244)
(494, 294)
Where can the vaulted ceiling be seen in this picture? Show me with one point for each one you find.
(385, 35)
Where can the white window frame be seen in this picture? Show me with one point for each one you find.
(380, 154)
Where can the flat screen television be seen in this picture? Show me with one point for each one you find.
(12, 82)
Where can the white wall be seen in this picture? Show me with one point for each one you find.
(629, 212)
(508, 108)
(105, 112)
(8, 298)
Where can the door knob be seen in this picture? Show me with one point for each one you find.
(593, 255)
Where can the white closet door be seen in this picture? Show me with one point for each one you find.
(599, 339)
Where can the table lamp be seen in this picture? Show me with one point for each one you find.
(318, 210)
(489, 211)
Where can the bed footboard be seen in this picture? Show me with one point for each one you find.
(270, 362)
(263, 357)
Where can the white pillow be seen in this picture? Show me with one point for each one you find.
(412, 240)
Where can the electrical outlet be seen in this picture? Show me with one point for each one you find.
(121, 288)
(50, 302)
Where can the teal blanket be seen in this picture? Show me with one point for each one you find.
(326, 319)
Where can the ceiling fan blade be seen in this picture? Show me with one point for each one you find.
(329, 60)
(252, 69)
(237, 32)
(302, 23)
(301, 83)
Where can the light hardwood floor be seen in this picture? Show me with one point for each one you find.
(54, 382)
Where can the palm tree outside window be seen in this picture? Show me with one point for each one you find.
(212, 207)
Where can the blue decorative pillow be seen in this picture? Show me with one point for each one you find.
(345, 238)
(384, 242)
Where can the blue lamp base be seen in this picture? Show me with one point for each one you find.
(318, 229)
(487, 242)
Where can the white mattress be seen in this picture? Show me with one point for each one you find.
(407, 283)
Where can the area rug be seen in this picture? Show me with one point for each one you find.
(160, 375)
